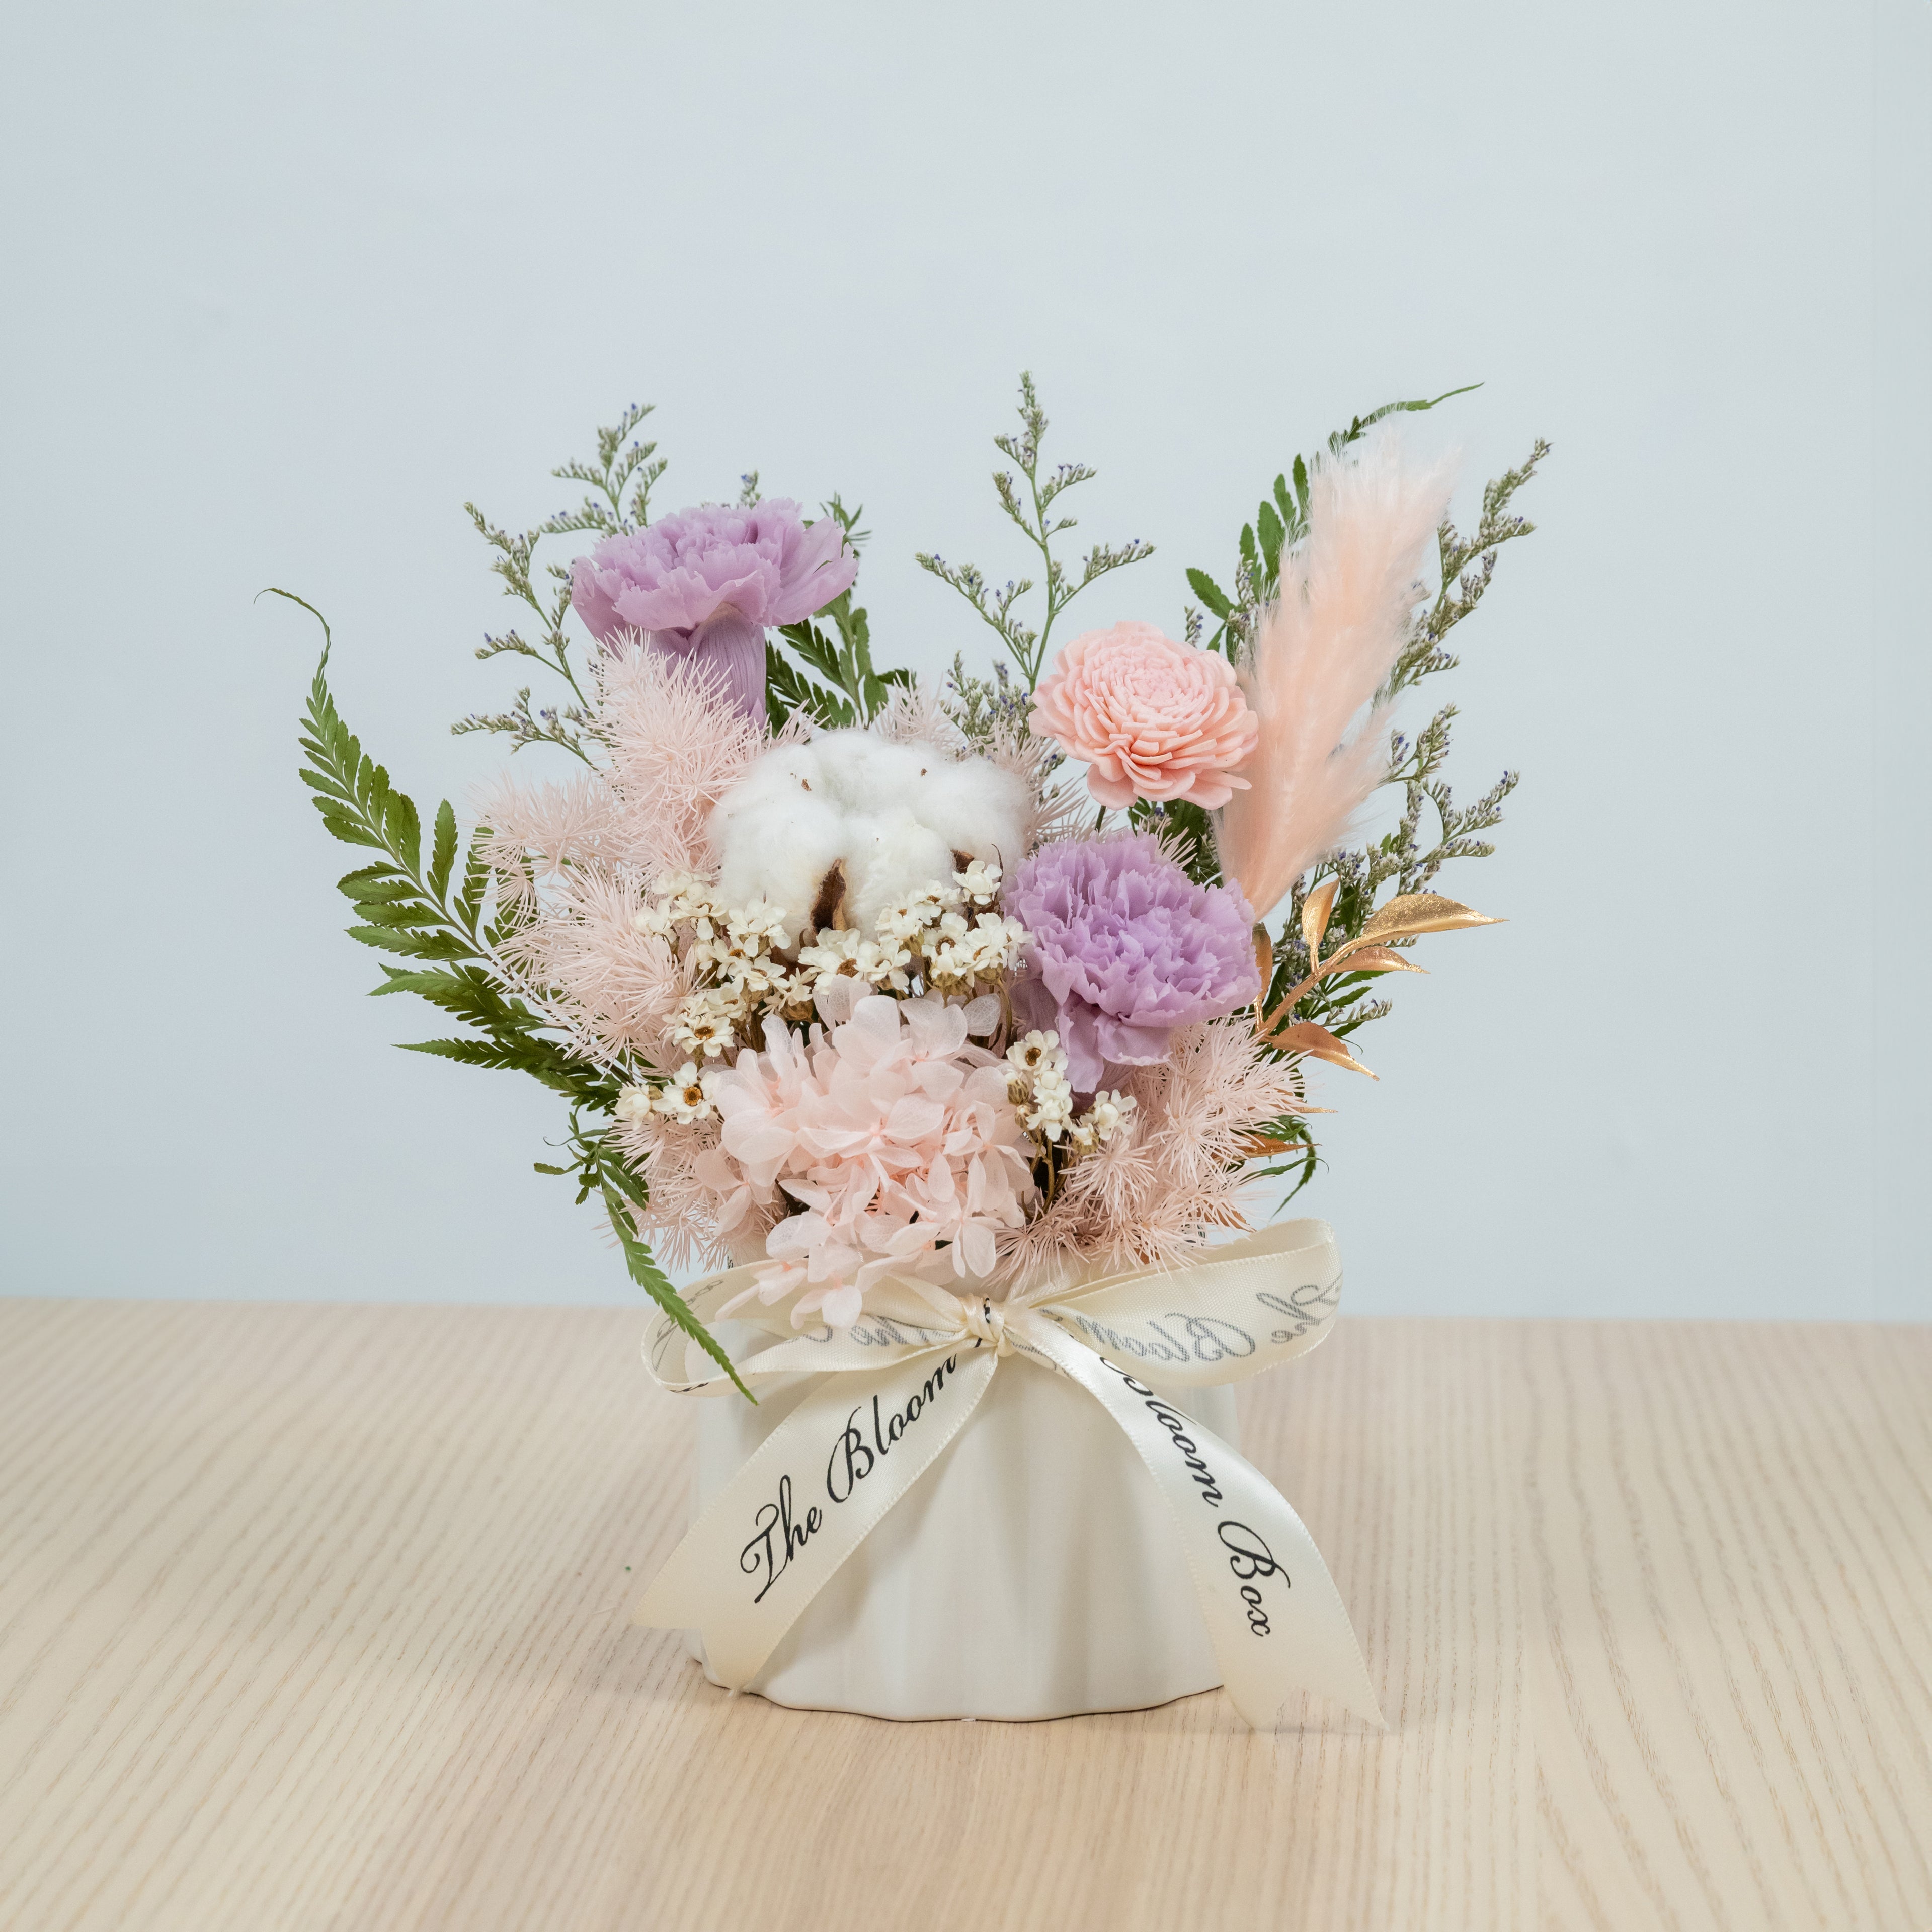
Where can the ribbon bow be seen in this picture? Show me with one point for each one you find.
(901, 1383)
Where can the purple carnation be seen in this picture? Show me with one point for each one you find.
(1126, 948)
(712, 580)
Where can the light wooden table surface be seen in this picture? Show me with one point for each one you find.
(317, 1617)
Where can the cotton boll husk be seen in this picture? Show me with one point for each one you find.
(1320, 653)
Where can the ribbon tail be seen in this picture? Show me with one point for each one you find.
(1276, 1620)
(808, 1496)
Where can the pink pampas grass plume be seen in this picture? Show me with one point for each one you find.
(1321, 652)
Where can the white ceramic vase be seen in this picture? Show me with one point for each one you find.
(1032, 1572)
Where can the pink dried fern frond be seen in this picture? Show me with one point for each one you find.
(1319, 654)
(914, 714)
(1059, 810)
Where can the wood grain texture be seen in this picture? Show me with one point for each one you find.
(316, 1617)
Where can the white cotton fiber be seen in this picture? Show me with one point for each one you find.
(777, 831)
(889, 854)
(894, 813)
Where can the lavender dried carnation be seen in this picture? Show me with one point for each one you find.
(706, 583)
(1126, 949)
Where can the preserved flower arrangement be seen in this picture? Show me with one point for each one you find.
(864, 989)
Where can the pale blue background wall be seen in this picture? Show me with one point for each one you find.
(283, 287)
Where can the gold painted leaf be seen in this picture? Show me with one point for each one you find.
(1382, 959)
(1412, 912)
(1318, 1043)
(1314, 911)
(1264, 960)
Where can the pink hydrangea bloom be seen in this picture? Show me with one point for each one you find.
(709, 582)
(1151, 717)
(895, 1133)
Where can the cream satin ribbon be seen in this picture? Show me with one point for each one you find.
(899, 1385)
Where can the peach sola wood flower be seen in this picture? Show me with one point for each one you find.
(1152, 718)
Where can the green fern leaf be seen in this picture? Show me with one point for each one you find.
(1269, 525)
(411, 945)
(350, 831)
(652, 1279)
(475, 881)
(442, 856)
(1211, 594)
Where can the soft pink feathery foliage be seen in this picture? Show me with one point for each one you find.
(543, 827)
(1151, 718)
(915, 714)
(894, 1131)
(681, 1221)
(1058, 811)
(1321, 652)
(597, 843)
(677, 744)
(1161, 1186)
(616, 985)
(674, 744)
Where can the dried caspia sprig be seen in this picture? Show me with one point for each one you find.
(1031, 506)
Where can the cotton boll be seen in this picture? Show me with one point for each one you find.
(977, 808)
(896, 815)
(778, 780)
(785, 853)
(865, 772)
(973, 806)
(778, 832)
(891, 855)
